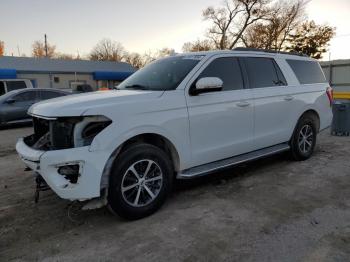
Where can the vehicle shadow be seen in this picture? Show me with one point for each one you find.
(76, 216)
(15, 126)
(73, 215)
(232, 174)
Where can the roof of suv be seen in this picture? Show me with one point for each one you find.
(252, 51)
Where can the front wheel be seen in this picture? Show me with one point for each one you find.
(140, 181)
(304, 138)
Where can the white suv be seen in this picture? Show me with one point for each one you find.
(180, 117)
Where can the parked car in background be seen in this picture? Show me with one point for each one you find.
(7, 85)
(15, 104)
(83, 89)
(181, 117)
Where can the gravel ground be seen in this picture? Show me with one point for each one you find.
(269, 210)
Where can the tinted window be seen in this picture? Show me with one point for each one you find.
(163, 74)
(2, 88)
(25, 96)
(14, 85)
(262, 72)
(50, 94)
(307, 72)
(228, 70)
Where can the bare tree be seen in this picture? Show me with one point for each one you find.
(107, 50)
(272, 33)
(64, 56)
(138, 61)
(2, 48)
(38, 49)
(231, 21)
(197, 46)
(135, 59)
(164, 52)
(311, 39)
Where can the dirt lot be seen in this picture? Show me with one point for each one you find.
(270, 210)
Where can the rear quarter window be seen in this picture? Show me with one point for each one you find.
(307, 72)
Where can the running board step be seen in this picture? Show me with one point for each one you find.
(232, 161)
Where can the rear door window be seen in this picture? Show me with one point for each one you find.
(2, 88)
(228, 70)
(263, 72)
(307, 72)
(15, 85)
(50, 94)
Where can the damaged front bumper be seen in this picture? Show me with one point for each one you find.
(59, 168)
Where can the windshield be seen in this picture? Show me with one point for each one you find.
(163, 74)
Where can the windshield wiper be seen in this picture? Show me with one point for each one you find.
(137, 86)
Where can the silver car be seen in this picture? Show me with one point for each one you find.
(14, 104)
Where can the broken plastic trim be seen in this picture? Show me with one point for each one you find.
(71, 172)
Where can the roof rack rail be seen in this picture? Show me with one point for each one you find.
(267, 51)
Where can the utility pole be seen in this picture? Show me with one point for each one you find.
(45, 45)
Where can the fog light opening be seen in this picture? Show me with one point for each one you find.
(70, 172)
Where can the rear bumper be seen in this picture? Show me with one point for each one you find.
(46, 163)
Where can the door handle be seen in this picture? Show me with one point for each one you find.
(243, 104)
(288, 98)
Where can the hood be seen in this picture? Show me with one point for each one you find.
(76, 105)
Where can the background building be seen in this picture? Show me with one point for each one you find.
(64, 74)
(338, 74)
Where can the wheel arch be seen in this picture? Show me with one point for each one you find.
(150, 138)
(314, 114)
(311, 112)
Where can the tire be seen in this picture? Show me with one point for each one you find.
(134, 196)
(303, 141)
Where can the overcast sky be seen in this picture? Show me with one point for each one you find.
(77, 25)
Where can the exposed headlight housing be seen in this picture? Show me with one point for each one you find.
(66, 132)
(86, 130)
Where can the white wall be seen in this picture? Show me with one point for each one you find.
(339, 74)
(43, 80)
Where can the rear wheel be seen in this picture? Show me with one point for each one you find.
(140, 181)
(304, 138)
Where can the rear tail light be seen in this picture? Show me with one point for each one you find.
(329, 92)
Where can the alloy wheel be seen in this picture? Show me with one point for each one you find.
(306, 139)
(142, 183)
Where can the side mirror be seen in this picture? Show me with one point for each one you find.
(207, 84)
(10, 101)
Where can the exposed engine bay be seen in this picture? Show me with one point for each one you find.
(65, 132)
